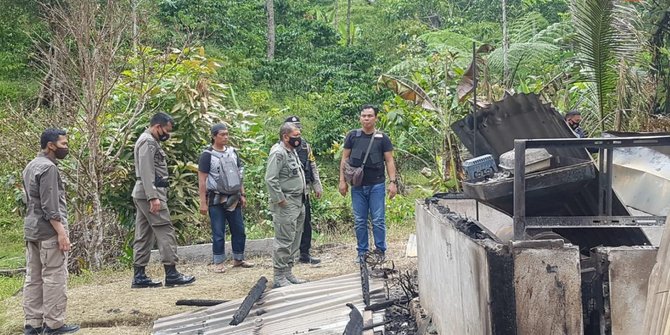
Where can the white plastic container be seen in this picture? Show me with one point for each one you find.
(536, 160)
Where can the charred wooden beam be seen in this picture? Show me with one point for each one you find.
(375, 325)
(249, 301)
(199, 302)
(365, 280)
(382, 305)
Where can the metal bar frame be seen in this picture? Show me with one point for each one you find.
(606, 150)
(548, 222)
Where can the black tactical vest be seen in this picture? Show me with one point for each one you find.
(359, 148)
(303, 155)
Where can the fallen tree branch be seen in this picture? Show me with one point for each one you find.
(12, 272)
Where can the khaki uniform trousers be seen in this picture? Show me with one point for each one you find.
(288, 222)
(45, 287)
(153, 227)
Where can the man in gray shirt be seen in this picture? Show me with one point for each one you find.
(152, 220)
(47, 241)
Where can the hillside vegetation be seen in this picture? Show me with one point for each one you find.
(100, 69)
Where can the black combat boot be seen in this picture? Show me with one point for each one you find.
(30, 330)
(140, 279)
(308, 259)
(174, 278)
(64, 329)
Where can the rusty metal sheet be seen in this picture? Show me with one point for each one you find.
(317, 307)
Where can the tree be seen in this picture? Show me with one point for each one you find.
(505, 44)
(83, 58)
(270, 9)
(348, 22)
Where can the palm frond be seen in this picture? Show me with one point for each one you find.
(596, 42)
(519, 53)
(555, 33)
(524, 28)
(445, 39)
(407, 66)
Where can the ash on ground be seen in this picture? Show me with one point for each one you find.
(403, 288)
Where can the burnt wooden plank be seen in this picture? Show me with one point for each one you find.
(249, 301)
(199, 302)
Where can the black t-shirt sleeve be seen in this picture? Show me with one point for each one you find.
(386, 144)
(205, 161)
(349, 140)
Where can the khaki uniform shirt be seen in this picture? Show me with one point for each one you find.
(45, 198)
(150, 163)
(284, 174)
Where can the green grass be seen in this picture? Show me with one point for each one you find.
(9, 286)
(11, 254)
(12, 250)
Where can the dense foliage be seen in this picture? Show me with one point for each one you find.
(205, 61)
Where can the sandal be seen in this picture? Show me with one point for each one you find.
(217, 268)
(243, 264)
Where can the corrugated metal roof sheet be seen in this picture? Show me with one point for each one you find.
(515, 117)
(524, 116)
(317, 307)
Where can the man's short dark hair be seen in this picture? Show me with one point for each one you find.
(162, 119)
(373, 107)
(572, 113)
(51, 135)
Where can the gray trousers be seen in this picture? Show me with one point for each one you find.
(153, 227)
(45, 286)
(288, 222)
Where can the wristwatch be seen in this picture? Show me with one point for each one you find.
(394, 181)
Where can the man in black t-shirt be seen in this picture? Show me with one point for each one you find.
(369, 199)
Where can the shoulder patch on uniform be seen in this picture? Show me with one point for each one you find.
(379, 135)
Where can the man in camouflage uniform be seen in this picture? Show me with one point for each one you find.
(313, 181)
(47, 241)
(152, 221)
(285, 179)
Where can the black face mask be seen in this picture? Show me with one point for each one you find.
(61, 153)
(295, 141)
(164, 137)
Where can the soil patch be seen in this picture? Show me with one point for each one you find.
(110, 306)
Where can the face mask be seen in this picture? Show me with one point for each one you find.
(574, 125)
(61, 153)
(295, 141)
(164, 137)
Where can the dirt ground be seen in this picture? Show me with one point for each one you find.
(109, 306)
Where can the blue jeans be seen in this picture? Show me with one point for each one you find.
(369, 201)
(218, 217)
